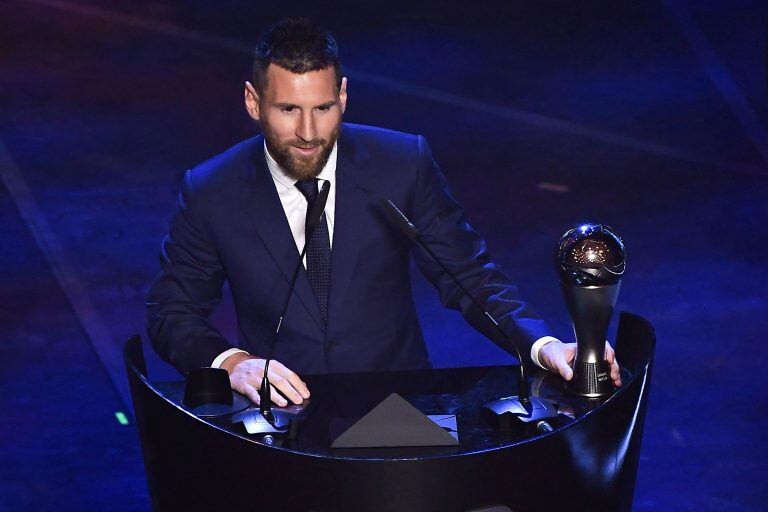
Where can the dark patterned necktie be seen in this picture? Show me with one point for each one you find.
(318, 248)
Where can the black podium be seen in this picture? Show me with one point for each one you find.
(589, 461)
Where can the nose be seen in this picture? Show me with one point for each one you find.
(306, 130)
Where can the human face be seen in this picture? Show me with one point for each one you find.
(300, 115)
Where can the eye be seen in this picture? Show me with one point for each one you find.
(287, 109)
(323, 108)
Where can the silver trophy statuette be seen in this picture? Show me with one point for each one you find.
(590, 261)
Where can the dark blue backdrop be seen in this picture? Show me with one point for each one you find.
(649, 117)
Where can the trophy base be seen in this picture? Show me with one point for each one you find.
(591, 380)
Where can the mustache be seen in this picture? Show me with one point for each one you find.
(308, 145)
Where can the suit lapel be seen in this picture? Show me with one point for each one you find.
(351, 201)
(264, 208)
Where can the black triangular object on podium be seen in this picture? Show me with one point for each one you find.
(394, 422)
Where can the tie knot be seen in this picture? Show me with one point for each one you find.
(309, 189)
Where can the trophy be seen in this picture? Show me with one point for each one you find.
(590, 261)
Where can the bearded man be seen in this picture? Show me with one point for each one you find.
(241, 219)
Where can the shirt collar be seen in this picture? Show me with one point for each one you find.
(328, 172)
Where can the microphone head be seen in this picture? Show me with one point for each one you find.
(313, 219)
(590, 255)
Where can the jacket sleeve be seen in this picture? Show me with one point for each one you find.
(186, 291)
(445, 230)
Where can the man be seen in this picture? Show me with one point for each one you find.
(241, 218)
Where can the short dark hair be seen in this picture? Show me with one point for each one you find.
(297, 45)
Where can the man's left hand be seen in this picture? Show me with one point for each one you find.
(557, 356)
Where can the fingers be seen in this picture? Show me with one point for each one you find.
(569, 350)
(249, 391)
(616, 372)
(564, 361)
(564, 369)
(610, 358)
(555, 356)
(277, 399)
(294, 380)
(289, 384)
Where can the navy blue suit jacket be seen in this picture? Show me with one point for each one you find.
(230, 226)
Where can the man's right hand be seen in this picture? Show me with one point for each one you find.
(246, 372)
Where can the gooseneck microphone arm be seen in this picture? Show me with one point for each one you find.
(313, 219)
(407, 227)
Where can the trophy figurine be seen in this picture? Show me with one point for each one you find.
(590, 261)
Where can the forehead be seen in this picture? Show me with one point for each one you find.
(313, 87)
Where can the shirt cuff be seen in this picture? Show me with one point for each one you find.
(537, 346)
(221, 357)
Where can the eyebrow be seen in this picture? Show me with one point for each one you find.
(327, 104)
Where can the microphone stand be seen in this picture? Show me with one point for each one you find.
(313, 218)
(522, 407)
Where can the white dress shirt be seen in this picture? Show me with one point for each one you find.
(295, 204)
(295, 208)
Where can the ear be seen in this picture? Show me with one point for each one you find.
(252, 101)
(343, 94)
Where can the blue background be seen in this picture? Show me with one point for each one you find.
(650, 117)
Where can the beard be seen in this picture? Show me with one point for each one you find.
(296, 166)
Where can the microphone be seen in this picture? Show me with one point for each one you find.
(526, 409)
(405, 225)
(313, 219)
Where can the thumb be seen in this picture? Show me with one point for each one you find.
(562, 366)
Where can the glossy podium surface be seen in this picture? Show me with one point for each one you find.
(588, 462)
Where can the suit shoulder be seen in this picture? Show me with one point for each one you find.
(224, 169)
(377, 132)
(383, 140)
